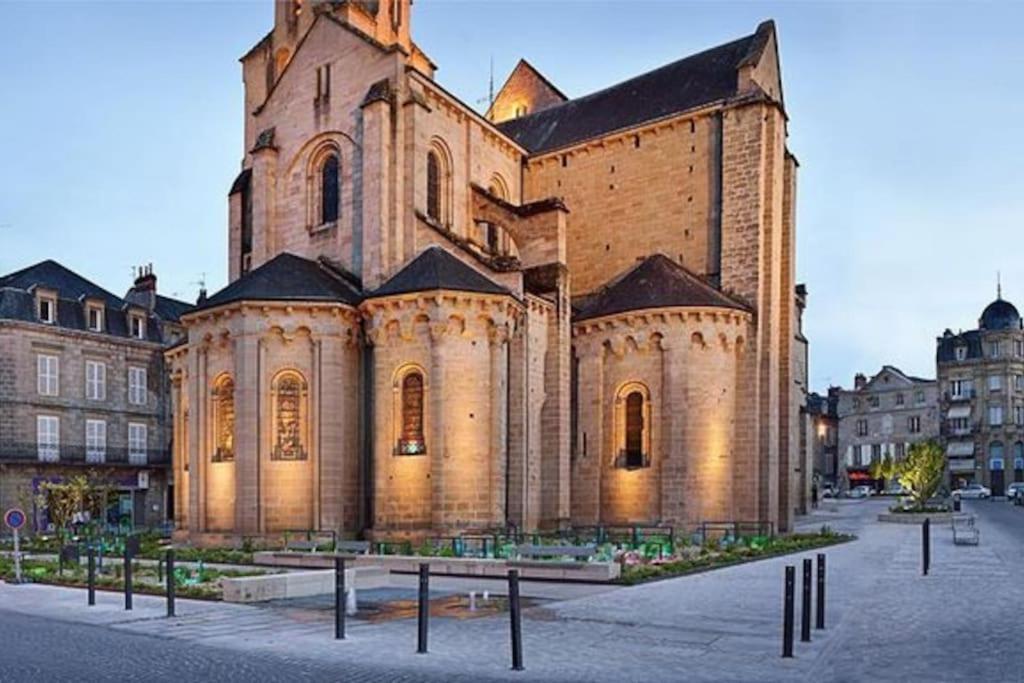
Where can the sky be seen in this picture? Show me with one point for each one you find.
(121, 131)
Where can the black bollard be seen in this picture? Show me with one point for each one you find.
(926, 545)
(515, 617)
(170, 583)
(805, 605)
(821, 592)
(339, 598)
(160, 570)
(424, 614)
(92, 576)
(787, 612)
(127, 578)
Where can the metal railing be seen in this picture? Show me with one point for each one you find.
(80, 454)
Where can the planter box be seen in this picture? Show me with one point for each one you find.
(298, 584)
(915, 517)
(589, 572)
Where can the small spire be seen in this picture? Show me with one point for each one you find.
(999, 287)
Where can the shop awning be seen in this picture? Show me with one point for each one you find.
(960, 449)
(958, 412)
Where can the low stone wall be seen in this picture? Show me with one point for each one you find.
(298, 584)
(915, 517)
(590, 572)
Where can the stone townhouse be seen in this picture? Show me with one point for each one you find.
(981, 379)
(882, 417)
(824, 435)
(567, 311)
(83, 390)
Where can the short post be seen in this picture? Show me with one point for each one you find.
(424, 612)
(339, 598)
(92, 575)
(926, 545)
(160, 569)
(820, 604)
(127, 577)
(805, 605)
(170, 582)
(787, 611)
(515, 618)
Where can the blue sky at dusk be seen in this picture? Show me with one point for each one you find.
(121, 125)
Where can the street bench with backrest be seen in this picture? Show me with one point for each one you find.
(352, 547)
(312, 542)
(964, 530)
(530, 554)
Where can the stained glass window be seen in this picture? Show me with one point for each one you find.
(411, 441)
(288, 420)
(330, 196)
(224, 427)
(635, 430)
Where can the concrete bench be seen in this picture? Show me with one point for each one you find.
(964, 531)
(352, 547)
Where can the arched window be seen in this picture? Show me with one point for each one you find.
(330, 194)
(632, 426)
(434, 185)
(289, 421)
(411, 441)
(224, 419)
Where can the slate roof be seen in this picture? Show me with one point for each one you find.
(18, 301)
(656, 282)
(945, 350)
(171, 309)
(287, 277)
(1000, 315)
(700, 79)
(434, 269)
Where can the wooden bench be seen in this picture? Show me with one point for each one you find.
(964, 530)
(579, 553)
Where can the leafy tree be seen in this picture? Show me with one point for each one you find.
(921, 471)
(63, 500)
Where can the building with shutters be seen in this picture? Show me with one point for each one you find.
(981, 379)
(563, 311)
(83, 390)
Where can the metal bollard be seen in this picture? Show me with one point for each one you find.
(160, 570)
(805, 605)
(787, 611)
(339, 598)
(926, 545)
(92, 576)
(515, 617)
(170, 583)
(127, 578)
(820, 604)
(424, 612)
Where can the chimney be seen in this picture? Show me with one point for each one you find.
(143, 292)
(859, 381)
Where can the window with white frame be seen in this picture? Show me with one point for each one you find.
(95, 440)
(994, 349)
(862, 427)
(857, 456)
(995, 415)
(137, 386)
(1018, 382)
(46, 309)
(961, 388)
(899, 399)
(94, 315)
(47, 375)
(48, 437)
(136, 442)
(914, 424)
(138, 326)
(995, 382)
(919, 396)
(1018, 414)
(1018, 348)
(95, 380)
(961, 353)
(876, 452)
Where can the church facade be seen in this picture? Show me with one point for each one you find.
(563, 312)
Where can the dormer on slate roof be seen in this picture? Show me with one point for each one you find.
(656, 282)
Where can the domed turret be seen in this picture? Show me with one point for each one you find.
(1000, 315)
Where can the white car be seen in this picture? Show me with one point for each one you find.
(1012, 490)
(972, 491)
(860, 492)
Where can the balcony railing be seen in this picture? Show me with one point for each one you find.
(80, 454)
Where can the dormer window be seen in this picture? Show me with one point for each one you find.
(137, 326)
(961, 353)
(46, 309)
(94, 317)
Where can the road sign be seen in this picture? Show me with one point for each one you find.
(15, 518)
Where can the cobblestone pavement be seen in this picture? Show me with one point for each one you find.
(886, 622)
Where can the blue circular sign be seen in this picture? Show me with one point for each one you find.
(15, 518)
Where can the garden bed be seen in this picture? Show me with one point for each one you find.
(695, 559)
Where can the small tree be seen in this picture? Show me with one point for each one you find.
(63, 500)
(921, 471)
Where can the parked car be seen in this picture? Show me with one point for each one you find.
(828, 492)
(972, 491)
(1014, 489)
(896, 490)
(1018, 497)
(861, 492)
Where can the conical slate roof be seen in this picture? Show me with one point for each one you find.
(656, 282)
(434, 269)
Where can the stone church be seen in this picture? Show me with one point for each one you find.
(564, 312)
